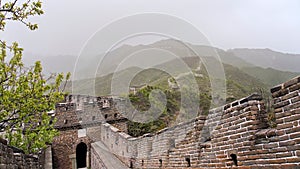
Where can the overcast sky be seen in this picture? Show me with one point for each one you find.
(67, 24)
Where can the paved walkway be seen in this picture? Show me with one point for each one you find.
(109, 159)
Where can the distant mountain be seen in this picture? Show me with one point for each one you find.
(51, 64)
(265, 65)
(231, 59)
(268, 58)
(243, 77)
(239, 84)
(269, 76)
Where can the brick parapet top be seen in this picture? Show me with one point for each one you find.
(237, 103)
(286, 84)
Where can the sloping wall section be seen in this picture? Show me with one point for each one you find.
(235, 135)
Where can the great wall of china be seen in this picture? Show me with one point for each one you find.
(235, 135)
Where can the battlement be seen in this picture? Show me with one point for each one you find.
(82, 110)
(233, 135)
(236, 135)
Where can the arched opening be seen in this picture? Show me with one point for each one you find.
(131, 164)
(160, 162)
(81, 152)
(188, 160)
(234, 159)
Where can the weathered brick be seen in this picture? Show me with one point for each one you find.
(295, 135)
(287, 143)
(293, 129)
(235, 136)
(291, 82)
(290, 95)
(276, 88)
(281, 104)
(280, 93)
(267, 156)
(278, 110)
(247, 143)
(279, 149)
(284, 126)
(294, 87)
(293, 147)
(296, 99)
(249, 163)
(293, 160)
(297, 140)
(285, 154)
(283, 114)
(270, 146)
(291, 118)
(253, 157)
(277, 161)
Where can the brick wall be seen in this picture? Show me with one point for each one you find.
(64, 145)
(235, 135)
(11, 158)
(81, 113)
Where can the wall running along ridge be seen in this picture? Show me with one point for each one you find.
(235, 135)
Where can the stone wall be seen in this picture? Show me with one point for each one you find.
(78, 120)
(64, 145)
(187, 144)
(235, 135)
(11, 158)
(64, 148)
(96, 161)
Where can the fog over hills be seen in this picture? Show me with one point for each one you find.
(268, 58)
(270, 67)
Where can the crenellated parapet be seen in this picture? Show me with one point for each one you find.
(236, 135)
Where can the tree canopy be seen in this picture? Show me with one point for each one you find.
(15, 10)
(26, 95)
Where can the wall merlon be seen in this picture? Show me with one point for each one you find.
(62, 107)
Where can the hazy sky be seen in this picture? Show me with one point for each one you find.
(67, 24)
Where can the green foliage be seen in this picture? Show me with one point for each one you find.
(271, 118)
(25, 98)
(240, 84)
(19, 11)
(141, 102)
(138, 129)
(25, 94)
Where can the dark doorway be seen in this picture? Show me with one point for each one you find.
(188, 160)
(81, 151)
(234, 159)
